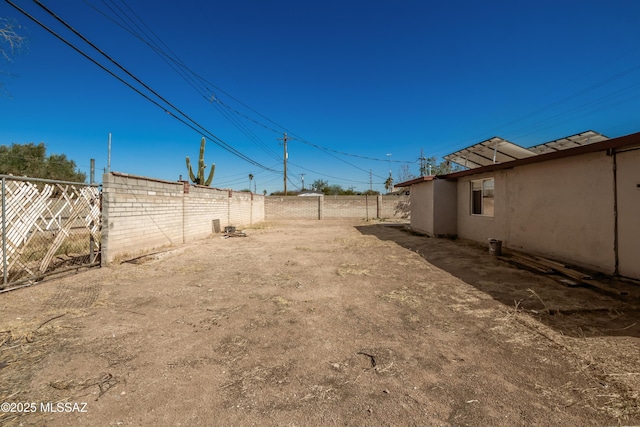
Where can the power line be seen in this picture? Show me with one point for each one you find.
(219, 142)
(185, 72)
(194, 126)
(213, 98)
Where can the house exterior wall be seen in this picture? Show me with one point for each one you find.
(628, 203)
(142, 214)
(560, 208)
(477, 227)
(444, 208)
(422, 200)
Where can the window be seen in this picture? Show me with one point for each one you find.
(482, 197)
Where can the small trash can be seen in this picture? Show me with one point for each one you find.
(495, 247)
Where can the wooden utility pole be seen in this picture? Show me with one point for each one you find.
(284, 143)
(370, 180)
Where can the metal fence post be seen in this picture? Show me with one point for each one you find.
(4, 238)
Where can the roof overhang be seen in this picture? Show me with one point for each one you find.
(613, 145)
(622, 143)
(573, 141)
(415, 181)
(489, 152)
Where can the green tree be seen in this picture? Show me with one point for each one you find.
(388, 184)
(31, 160)
(320, 185)
(430, 166)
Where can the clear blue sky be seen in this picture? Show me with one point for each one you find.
(368, 78)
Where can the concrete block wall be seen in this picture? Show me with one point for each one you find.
(293, 207)
(394, 206)
(240, 211)
(203, 205)
(141, 214)
(138, 213)
(257, 208)
(326, 207)
(350, 207)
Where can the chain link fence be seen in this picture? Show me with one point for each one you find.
(47, 227)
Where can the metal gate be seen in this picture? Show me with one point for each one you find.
(47, 227)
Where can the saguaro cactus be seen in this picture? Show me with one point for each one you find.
(201, 167)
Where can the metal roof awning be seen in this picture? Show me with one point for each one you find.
(584, 138)
(491, 151)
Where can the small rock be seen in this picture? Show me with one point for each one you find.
(385, 391)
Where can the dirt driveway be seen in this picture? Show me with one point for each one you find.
(319, 323)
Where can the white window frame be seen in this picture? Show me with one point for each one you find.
(482, 194)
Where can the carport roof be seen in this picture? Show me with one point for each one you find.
(491, 151)
(577, 140)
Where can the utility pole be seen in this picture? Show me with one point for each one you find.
(370, 180)
(389, 156)
(423, 166)
(302, 175)
(284, 143)
(109, 155)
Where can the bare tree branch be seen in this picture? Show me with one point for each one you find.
(10, 40)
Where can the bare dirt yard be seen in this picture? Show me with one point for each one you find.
(319, 323)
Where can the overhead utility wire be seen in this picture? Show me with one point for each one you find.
(212, 96)
(304, 141)
(177, 65)
(328, 176)
(201, 129)
(216, 138)
(248, 132)
(568, 98)
(601, 101)
(165, 57)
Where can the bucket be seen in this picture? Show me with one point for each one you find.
(495, 247)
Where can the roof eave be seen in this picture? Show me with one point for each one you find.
(609, 144)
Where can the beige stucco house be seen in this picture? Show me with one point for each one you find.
(578, 205)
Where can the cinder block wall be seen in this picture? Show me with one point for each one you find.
(326, 207)
(394, 207)
(141, 214)
(292, 207)
(203, 205)
(350, 207)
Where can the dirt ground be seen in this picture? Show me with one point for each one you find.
(319, 323)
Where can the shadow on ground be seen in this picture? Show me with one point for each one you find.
(579, 311)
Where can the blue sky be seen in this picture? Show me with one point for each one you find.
(363, 78)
